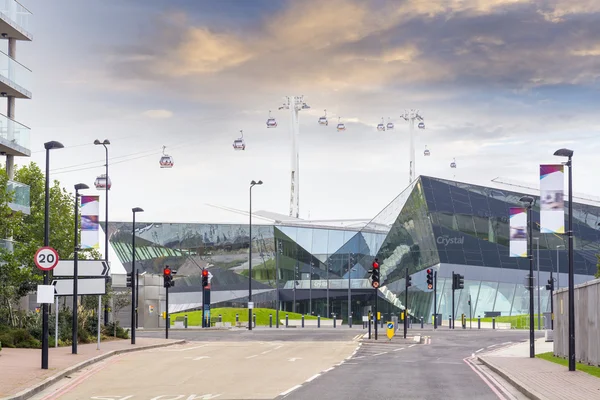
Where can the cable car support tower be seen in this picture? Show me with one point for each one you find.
(294, 104)
(411, 116)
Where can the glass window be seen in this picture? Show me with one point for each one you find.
(486, 298)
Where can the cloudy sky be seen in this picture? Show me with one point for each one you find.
(501, 85)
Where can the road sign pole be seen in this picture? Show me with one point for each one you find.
(168, 322)
(46, 258)
(75, 257)
(453, 287)
(406, 304)
(375, 315)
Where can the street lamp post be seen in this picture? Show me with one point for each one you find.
(78, 187)
(529, 202)
(104, 143)
(537, 260)
(252, 184)
(48, 146)
(350, 290)
(569, 154)
(133, 276)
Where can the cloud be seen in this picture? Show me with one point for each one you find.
(158, 114)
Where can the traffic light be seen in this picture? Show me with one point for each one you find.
(550, 285)
(129, 284)
(375, 274)
(204, 278)
(168, 277)
(461, 281)
(408, 281)
(429, 279)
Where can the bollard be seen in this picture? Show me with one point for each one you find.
(237, 318)
(286, 320)
(318, 321)
(450, 321)
(270, 320)
(303, 320)
(382, 322)
(421, 322)
(334, 320)
(220, 318)
(478, 322)
(494, 323)
(185, 321)
(350, 321)
(254, 320)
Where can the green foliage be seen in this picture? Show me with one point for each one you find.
(597, 275)
(588, 369)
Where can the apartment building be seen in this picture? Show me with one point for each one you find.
(15, 83)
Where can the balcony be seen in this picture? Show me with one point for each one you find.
(20, 201)
(14, 138)
(14, 20)
(15, 78)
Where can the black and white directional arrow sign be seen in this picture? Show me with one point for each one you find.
(85, 268)
(64, 287)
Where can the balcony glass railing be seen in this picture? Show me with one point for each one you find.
(18, 75)
(16, 12)
(21, 200)
(12, 132)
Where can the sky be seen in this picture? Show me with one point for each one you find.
(501, 85)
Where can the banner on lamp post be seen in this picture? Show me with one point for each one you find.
(552, 206)
(518, 232)
(90, 210)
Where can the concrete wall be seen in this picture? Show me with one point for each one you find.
(587, 322)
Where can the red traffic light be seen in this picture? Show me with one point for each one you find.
(430, 286)
(375, 284)
(204, 272)
(167, 271)
(429, 271)
(375, 265)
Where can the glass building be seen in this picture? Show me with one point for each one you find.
(308, 268)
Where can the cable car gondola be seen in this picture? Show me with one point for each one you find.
(323, 119)
(271, 123)
(426, 153)
(101, 182)
(239, 144)
(381, 126)
(421, 125)
(453, 163)
(340, 126)
(166, 161)
(390, 124)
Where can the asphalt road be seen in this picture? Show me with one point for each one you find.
(393, 370)
(260, 334)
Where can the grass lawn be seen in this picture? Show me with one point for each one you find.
(589, 369)
(516, 321)
(228, 314)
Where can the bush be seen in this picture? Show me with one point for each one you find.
(18, 338)
(109, 330)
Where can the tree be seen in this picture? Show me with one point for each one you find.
(18, 273)
(120, 301)
(597, 275)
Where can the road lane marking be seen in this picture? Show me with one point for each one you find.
(379, 354)
(256, 355)
(488, 380)
(294, 359)
(312, 378)
(398, 349)
(290, 390)
(359, 357)
(479, 350)
(494, 345)
(506, 343)
(267, 351)
(412, 345)
(188, 348)
(328, 369)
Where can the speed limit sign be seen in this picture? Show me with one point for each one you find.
(46, 258)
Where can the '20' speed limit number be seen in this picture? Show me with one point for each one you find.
(46, 258)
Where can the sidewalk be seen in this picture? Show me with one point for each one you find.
(540, 379)
(21, 368)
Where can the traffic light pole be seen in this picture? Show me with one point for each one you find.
(453, 288)
(375, 314)
(168, 322)
(434, 299)
(470, 313)
(406, 304)
(551, 301)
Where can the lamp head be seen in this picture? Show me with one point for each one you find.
(81, 186)
(527, 199)
(137, 209)
(564, 153)
(53, 145)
